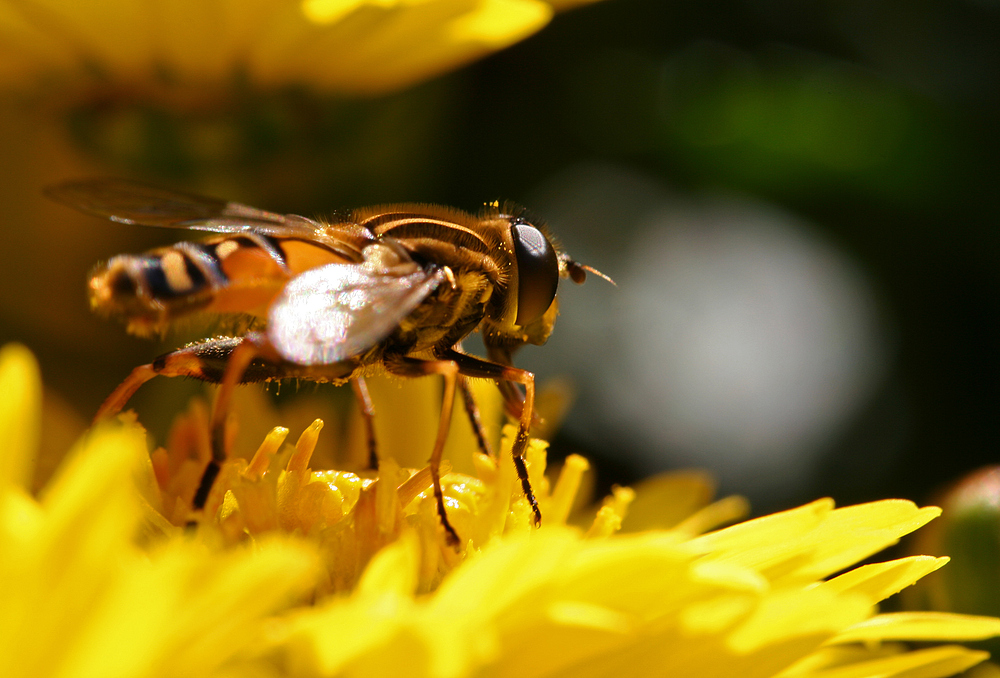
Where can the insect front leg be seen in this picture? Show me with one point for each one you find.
(513, 398)
(471, 366)
(411, 367)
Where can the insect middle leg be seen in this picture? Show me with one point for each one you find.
(412, 367)
(367, 410)
(472, 409)
(472, 412)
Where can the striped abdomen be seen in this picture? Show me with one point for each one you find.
(239, 274)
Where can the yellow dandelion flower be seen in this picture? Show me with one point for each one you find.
(81, 596)
(750, 600)
(361, 46)
(100, 579)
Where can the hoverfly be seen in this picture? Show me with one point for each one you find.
(389, 289)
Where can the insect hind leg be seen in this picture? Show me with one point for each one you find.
(205, 360)
(223, 360)
(115, 402)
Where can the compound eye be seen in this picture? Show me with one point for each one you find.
(537, 272)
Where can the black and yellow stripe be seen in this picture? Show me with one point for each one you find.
(453, 227)
(228, 274)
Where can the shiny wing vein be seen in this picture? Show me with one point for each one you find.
(130, 202)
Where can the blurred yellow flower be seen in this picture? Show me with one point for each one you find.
(355, 46)
(302, 572)
(79, 595)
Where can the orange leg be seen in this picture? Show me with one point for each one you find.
(409, 367)
(451, 364)
(506, 376)
(239, 360)
(364, 399)
(228, 361)
(203, 360)
(115, 402)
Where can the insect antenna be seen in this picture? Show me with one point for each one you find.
(578, 272)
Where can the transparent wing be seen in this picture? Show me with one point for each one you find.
(338, 311)
(130, 202)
